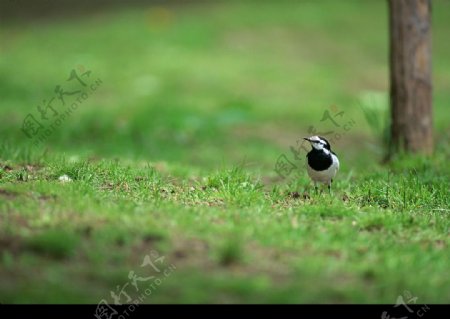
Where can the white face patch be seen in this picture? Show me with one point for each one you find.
(318, 143)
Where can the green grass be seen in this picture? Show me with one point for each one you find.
(174, 153)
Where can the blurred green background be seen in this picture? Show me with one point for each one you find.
(197, 83)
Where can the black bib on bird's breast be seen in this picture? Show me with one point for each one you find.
(318, 160)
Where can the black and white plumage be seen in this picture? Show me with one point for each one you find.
(323, 163)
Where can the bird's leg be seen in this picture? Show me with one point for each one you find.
(316, 188)
(329, 186)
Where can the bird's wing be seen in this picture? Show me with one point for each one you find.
(336, 160)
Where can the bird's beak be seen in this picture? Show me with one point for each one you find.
(306, 138)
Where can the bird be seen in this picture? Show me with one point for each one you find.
(322, 162)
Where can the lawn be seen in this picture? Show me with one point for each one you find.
(153, 180)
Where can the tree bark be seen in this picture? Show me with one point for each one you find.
(410, 76)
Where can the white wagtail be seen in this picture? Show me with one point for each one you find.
(323, 163)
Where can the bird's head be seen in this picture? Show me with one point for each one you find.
(318, 142)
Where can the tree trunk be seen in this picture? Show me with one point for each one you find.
(410, 76)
